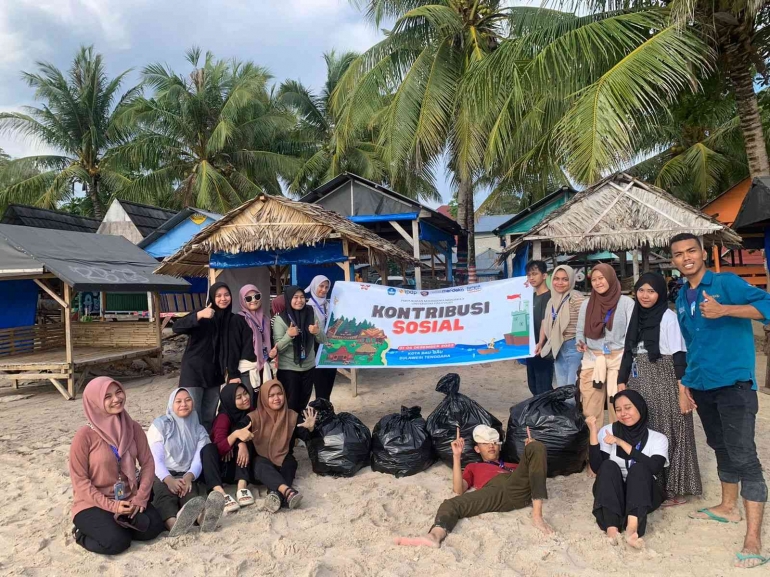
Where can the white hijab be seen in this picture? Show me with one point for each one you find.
(320, 305)
(182, 439)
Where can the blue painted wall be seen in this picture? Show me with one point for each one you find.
(174, 239)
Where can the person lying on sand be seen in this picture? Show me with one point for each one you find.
(627, 457)
(499, 486)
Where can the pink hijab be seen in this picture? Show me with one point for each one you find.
(256, 320)
(115, 430)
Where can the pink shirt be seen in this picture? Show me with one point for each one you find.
(94, 471)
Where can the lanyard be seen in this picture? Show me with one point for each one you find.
(555, 313)
(499, 464)
(317, 304)
(608, 315)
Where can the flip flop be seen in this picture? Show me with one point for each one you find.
(749, 556)
(710, 516)
(245, 498)
(231, 505)
(674, 502)
(186, 517)
(212, 511)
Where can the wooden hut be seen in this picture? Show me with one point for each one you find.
(621, 213)
(273, 231)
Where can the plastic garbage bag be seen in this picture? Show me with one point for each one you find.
(401, 445)
(457, 410)
(340, 444)
(554, 419)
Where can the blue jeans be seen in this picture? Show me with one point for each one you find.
(728, 415)
(567, 363)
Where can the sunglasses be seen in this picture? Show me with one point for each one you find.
(256, 297)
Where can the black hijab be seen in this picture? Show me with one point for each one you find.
(302, 319)
(238, 418)
(645, 323)
(221, 320)
(635, 434)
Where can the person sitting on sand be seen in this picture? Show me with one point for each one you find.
(627, 458)
(179, 494)
(229, 456)
(110, 506)
(499, 486)
(275, 430)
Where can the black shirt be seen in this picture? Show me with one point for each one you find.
(539, 309)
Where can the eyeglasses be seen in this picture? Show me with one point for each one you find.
(256, 297)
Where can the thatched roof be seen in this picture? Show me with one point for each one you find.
(623, 213)
(278, 223)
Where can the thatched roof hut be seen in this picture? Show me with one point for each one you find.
(623, 213)
(275, 223)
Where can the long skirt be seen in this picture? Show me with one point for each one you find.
(657, 383)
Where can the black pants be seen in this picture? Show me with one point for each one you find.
(616, 499)
(298, 386)
(99, 533)
(273, 477)
(167, 503)
(218, 472)
(324, 382)
(728, 415)
(539, 375)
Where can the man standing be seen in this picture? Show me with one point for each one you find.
(715, 313)
(539, 370)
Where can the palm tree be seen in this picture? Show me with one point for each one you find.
(210, 139)
(78, 119)
(410, 83)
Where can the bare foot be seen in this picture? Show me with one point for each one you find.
(751, 561)
(425, 541)
(732, 515)
(635, 541)
(591, 474)
(614, 536)
(544, 527)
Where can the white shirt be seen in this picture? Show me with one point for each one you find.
(657, 444)
(671, 338)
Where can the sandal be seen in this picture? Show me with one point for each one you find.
(231, 505)
(710, 516)
(245, 498)
(212, 512)
(272, 502)
(674, 502)
(750, 557)
(186, 517)
(293, 498)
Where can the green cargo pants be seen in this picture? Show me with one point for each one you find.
(505, 492)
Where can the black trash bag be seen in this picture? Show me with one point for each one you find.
(401, 445)
(555, 420)
(457, 410)
(340, 443)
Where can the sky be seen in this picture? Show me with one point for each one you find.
(286, 36)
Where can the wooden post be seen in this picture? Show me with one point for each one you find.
(537, 250)
(102, 304)
(636, 265)
(645, 258)
(717, 258)
(346, 272)
(623, 258)
(68, 340)
(416, 253)
(433, 263)
(150, 306)
(213, 274)
(155, 297)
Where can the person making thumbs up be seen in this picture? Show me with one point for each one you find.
(296, 331)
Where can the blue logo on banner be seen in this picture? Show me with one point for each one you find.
(391, 291)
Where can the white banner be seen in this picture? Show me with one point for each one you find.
(373, 326)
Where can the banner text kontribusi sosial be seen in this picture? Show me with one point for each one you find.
(373, 326)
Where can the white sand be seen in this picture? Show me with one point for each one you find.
(345, 526)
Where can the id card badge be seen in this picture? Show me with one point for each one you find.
(302, 353)
(634, 369)
(606, 349)
(120, 490)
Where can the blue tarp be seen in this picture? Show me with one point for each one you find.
(384, 217)
(520, 261)
(19, 298)
(306, 274)
(430, 233)
(305, 255)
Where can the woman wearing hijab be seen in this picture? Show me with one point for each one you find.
(218, 340)
(601, 337)
(275, 428)
(653, 364)
(253, 313)
(110, 506)
(229, 456)
(557, 333)
(179, 495)
(323, 379)
(627, 456)
(297, 330)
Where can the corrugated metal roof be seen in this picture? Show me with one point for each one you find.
(146, 217)
(32, 216)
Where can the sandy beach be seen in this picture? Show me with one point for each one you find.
(345, 527)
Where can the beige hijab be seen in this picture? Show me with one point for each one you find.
(554, 328)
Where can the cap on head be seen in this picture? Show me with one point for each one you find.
(485, 434)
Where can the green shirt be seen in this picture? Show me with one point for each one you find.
(285, 346)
